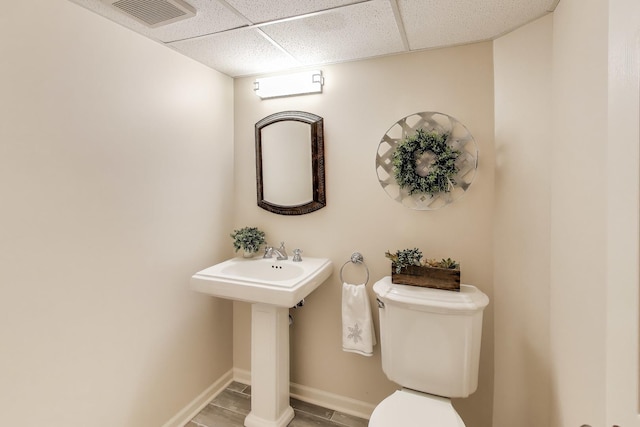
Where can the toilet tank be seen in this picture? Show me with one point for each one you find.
(430, 338)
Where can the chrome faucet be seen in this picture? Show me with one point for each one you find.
(281, 252)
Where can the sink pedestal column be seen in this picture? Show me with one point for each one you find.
(269, 367)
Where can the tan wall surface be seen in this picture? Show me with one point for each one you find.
(523, 66)
(115, 166)
(623, 215)
(578, 212)
(361, 100)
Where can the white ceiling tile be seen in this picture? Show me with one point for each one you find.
(262, 11)
(242, 52)
(211, 17)
(359, 31)
(316, 32)
(435, 23)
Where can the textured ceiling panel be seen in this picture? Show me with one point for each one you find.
(262, 11)
(229, 35)
(434, 23)
(359, 31)
(211, 17)
(236, 53)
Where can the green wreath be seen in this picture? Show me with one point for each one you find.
(440, 176)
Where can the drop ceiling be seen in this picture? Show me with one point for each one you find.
(250, 37)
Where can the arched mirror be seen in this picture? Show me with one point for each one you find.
(290, 163)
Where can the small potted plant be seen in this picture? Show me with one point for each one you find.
(408, 268)
(249, 240)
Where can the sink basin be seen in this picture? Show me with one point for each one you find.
(267, 281)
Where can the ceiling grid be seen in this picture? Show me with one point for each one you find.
(251, 37)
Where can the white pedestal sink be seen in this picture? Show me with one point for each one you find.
(272, 287)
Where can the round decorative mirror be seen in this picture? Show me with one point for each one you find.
(426, 160)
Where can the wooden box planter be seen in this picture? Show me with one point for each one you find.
(428, 277)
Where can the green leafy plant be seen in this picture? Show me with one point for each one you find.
(444, 263)
(413, 257)
(248, 239)
(441, 171)
(404, 258)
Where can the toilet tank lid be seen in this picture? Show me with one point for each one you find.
(469, 300)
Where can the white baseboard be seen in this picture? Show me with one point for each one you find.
(197, 404)
(333, 401)
(315, 396)
(242, 376)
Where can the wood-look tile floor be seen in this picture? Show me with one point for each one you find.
(231, 406)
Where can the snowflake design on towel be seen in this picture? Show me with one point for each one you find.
(355, 333)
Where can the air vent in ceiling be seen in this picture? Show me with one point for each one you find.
(154, 13)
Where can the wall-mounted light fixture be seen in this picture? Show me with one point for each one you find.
(289, 84)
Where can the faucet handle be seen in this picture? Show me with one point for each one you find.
(268, 252)
(296, 255)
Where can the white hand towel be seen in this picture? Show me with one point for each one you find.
(358, 335)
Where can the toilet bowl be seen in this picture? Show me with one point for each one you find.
(430, 341)
(409, 408)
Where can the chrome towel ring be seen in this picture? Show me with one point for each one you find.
(356, 258)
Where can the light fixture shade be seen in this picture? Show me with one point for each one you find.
(289, 84)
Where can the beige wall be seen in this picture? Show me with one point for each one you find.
(115, 158)
(623, 214)
(522, 63)
(578, 212)
(589, 162)
(361, 100)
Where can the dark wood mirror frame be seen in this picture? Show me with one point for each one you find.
(317, 162)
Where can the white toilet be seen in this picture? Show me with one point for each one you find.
(430, 342)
